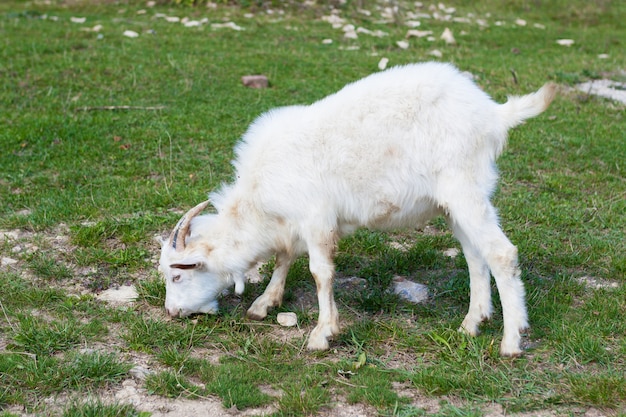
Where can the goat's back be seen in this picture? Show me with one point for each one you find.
(377, 152)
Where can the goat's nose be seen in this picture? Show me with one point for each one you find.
(172, 313)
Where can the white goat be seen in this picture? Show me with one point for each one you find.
(389, 151)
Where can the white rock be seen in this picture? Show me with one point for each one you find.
(451, 252)
(402, 44)
(130, 34)
(448, 37)
(418, 33)
(327, 41)
(139, 372)
(520, 22)
(78, 19)
(565, 42)
(603, 56)
(436, 53)
(539, 26)
(172, 19)
(402, 247)
(377, 33)
(124, 294)
(287, 319)
(228, 25)
(334, 20)
(382, 64)
(7, 261)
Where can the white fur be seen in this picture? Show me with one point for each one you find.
(389, 151)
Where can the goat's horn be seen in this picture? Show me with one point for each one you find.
(180, 232)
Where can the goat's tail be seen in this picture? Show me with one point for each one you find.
(518, 109)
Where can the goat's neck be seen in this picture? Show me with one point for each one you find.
(248, 236)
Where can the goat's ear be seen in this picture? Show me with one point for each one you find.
(196, 265)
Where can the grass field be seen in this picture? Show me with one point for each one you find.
(105, 139)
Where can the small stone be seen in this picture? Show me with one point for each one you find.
(255, 81)
(409, 290)
(402, 44)
(287, 319)
(565, 42)
(436, 53)
(8, 261)
(382, 64)
(139, 372)
(122, 295)
(448, 37)
(228, 25)
(418, 33)
(130, 34)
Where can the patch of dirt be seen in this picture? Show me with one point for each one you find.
(605, 88)
(596, 283)
(132, 393)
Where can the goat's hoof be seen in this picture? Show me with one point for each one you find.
(318, 345)
(511, 351)
(255, 316)
(472, 333)
(511, 354)
(318, 339)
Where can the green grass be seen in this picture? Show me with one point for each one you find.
(98, 409)
(86, 189)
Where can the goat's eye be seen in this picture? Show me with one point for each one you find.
(176, 278)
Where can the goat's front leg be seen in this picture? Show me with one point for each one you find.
(323, 270)
(273, 294)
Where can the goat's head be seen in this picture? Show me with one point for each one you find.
(192, 284)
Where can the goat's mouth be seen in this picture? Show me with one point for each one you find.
(211, 308)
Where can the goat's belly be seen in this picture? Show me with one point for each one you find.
(389, 216)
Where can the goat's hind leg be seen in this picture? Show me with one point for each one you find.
(273, 294)
(478, 223)
(480, 306)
